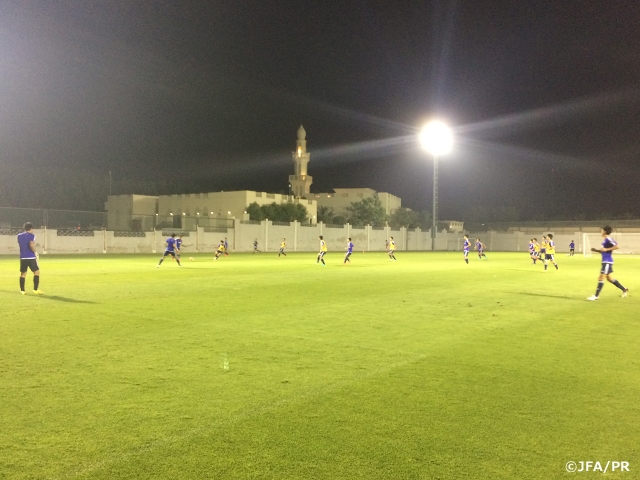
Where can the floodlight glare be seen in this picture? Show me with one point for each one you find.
(436, 138)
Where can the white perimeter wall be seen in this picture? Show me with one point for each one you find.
(302, 238)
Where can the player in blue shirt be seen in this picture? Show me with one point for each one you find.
(226, 247)
(466, 245)
(178, 247)
(608, 246)
(171, 249)
(349, 251)
(29, 259)
(480, 248)
(572, 248)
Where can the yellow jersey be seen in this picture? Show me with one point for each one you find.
(282, 245)
(323, 246)
(392, 245)
(536, 247)
(544, 245)
(221, 247)
(551, 247)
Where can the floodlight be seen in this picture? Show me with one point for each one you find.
(436, 138)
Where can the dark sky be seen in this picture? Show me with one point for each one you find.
(544, 96)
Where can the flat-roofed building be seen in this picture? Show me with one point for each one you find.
(341, 198)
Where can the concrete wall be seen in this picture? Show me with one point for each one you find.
(301, 238)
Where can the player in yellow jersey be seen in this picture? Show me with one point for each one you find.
(551, 253)
(392, 249)
(323, 251)
(543, 248)
(220, 250)
(282, 245)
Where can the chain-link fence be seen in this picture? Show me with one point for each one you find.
(11, 217)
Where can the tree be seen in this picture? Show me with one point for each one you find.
(286, 212)
(326, 214)
(255, 212)
(368, 211)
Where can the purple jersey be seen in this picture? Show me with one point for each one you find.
(171, 243)
(466, 245)
(23, 240)
(350, 247)
(607, 257)
(178, 244)
(479, 246)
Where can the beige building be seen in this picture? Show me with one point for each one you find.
(341, 198)
(452, 225)
(226, 204)
(301, 181)
(131, 212)
(137, 212)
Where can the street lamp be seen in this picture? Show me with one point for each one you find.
(437, 139)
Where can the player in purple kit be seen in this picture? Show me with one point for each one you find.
(572, 248)
(170, 250)
(480, 248)
(465, 248)
(608, 246)
(29, 259)
(349, 251)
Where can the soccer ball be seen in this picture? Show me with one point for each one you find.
(191, 259)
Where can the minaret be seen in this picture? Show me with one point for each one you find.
(300, 181)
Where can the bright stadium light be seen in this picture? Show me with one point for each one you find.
(437, 139)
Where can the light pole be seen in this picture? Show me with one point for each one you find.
(437, 139)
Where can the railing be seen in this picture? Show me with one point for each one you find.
(333, 225)
(281, 224)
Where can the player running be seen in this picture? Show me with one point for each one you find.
(170, 249)
(255, 246)
(608, 246)
(29, 259)
(392, 249)
(282, 245)
(480, 248)
(466, 245)
(226, 247)
(551, 253)
(178, 247)
(543, 248)
(536, 250)
(531, 250)
(323, 251)
(349, 251)
(220, 250)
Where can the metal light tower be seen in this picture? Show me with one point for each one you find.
(437, 139)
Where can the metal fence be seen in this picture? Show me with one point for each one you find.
(11, 217)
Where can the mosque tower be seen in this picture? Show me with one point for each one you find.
(300, 181)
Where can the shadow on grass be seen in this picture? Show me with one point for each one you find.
(562, 297)
(62, 299)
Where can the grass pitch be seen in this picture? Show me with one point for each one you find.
(256, 366)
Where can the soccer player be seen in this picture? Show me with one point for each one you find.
(572, 248)
(226, 247)
(466, 245)
(543, 249)
(178, 247)
(282, 245)
(29, 259)
(551, 253)
(255, 246)
(323, 251)
(220, 250)
(480, 248)
(392, 249)
(536, 250)
(170, 249)
(608, 246)
(531, 250)
(349, 251)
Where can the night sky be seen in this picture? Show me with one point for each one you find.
(544, 96)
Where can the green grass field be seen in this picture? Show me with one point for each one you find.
(421, 368)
